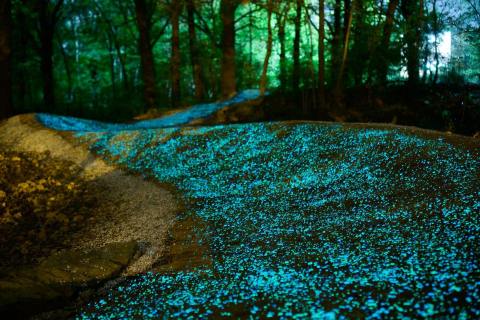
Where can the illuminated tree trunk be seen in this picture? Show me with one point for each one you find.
(5, 59)
(146, 54)
(347, 7)
(338, 91)
(321, 53)
(263, 79)
(347, 12)
(436, 32)
(194, 53)
(175, 57)
(228, 72)
(296, 47)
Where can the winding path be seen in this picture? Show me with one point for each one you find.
(305, 220)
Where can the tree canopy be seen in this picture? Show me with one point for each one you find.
(114, 59)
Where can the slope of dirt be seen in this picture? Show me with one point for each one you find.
(129, 207)
(42, 202)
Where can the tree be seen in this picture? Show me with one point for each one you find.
(296, 46)
(110, 57)
(228, 71)
(195, 52)
(48, 15)
(145, 47)
(346, 41)
(412, 11)
(436, 31)
(6, 107)
(321, 53)
(175, 60)
(336, 40)
(23, 41)
(362, 47)
(263, 79)
(384, 45)
(281, 24)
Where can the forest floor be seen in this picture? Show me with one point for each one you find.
(281, 219)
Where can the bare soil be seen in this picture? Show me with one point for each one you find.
(129, 208)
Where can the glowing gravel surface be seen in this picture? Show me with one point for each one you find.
(315, 221)
(184, 117)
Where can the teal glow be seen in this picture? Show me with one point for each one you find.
(308, 221)
(180, 118)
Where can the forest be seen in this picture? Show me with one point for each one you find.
(406, 61)
(243, 159)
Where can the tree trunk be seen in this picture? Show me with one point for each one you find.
(413, 13)
(228, 72)
(146, 54)
(68, 72)
(347, 7)
(114, 43)
(436, 32)
(123, 67)
(359, 52)
(195, 53)
(22, 80)
(383, 52)
(47, 29)
(338, 91)
(263, 79)
(347, 13)
(283, 52)
(296, 47)
(112, 66)
(321, 54)
(251, 74)
(6, 107)
(175, 60)
(336, 37)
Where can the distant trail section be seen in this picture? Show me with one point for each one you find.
(182, 117)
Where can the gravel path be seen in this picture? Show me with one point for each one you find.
(309, 220)
(130, 208)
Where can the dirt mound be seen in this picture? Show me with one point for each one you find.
(129, 208)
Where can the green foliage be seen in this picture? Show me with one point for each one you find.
(96, 56)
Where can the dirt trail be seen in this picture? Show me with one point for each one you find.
(130, 208)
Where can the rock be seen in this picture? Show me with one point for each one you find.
(60, 277)
(75, 268)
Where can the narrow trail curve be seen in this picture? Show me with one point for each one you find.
(129, 207)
